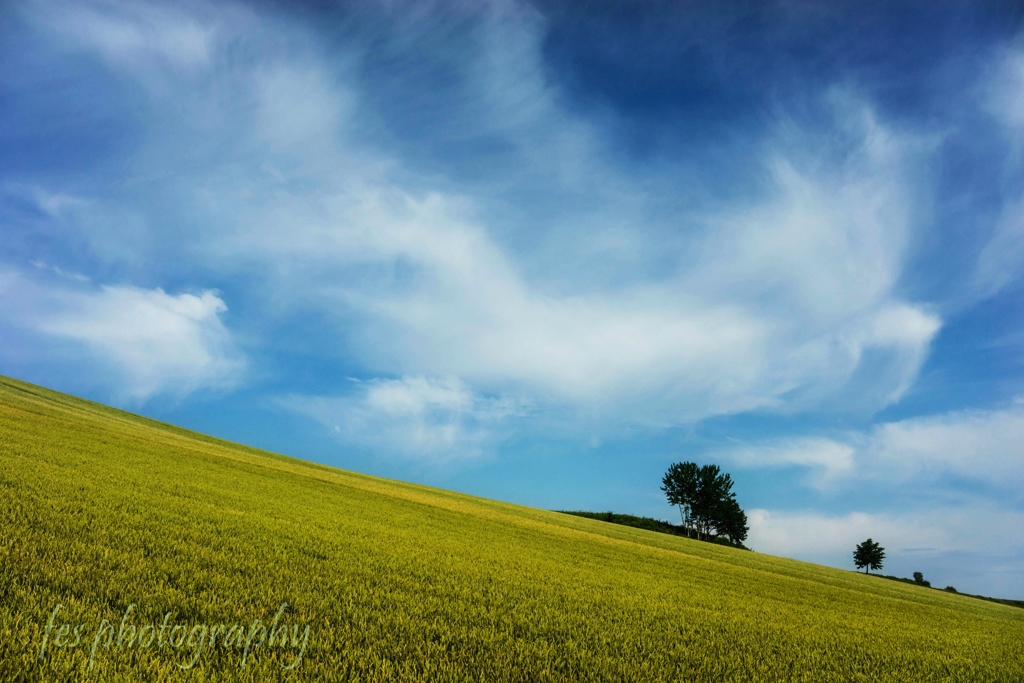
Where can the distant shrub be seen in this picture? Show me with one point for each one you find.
(950, 589)
(919, 580)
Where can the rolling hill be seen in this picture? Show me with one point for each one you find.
(134, 550)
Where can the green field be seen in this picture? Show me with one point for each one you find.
(100, 510)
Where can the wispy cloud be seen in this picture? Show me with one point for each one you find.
(1001, 260)
(1006, 92)
(828, 459)
(59, 271)
(143, 39)
(427, 419)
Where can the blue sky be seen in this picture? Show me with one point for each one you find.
(537, 252)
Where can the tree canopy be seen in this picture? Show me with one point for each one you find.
(706, 502)
(869, 555)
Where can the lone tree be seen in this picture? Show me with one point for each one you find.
(707, 505)
(869, 555)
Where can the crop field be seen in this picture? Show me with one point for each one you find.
(132, 550)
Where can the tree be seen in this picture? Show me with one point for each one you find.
(707, 505)
(732, 522)
(919, 579)
(712, 489)
(680, 485)
(869, 555)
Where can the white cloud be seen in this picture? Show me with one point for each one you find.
(435, 419)
(791, 297)
(828, 458)
(819, 262)
(153, 342)
(785, 303)
(980, 446)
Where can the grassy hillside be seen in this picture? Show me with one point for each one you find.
(100, 510)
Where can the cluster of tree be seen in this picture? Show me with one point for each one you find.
(869, 555)
(706, 502)
(919, 580)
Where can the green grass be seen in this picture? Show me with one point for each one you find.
(100, 509)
